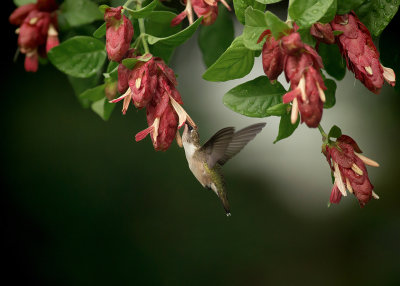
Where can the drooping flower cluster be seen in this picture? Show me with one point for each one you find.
(208, 9)
(151, 84)
(361, 55)
(349, 171)
(37, 32)
(301, 64)
(119, 33)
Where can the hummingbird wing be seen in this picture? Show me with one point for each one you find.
(216, 146)
(239, 140)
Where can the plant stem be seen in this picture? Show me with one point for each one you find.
(142, 30)
(321, 130)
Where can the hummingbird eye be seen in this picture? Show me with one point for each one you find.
(190, 127)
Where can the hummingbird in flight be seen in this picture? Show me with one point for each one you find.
(206, 161)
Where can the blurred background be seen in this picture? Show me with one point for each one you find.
(84, 204)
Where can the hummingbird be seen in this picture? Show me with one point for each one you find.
(206, 161)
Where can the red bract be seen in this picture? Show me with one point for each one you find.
(302, 67)
(119, 33)
(208, 9)
(37, 32)
(348, 168)
(323, 33)
(272, 57)
(152, 84)
(361, 55)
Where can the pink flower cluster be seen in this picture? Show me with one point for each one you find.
(150, 84)
(362, 57)
(208, 9)
(349, 171)
(37, 32)
(301, 64)
(119, 33)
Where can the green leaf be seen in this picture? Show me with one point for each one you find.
(216, 38)
(335, 132)
(256, 23)
(307, 12)
(94, 94)
(80, 56)
(103, 8)
(255, 98)
(103, 108)
(345, 6)
(23, 2)
(268, 1)
(112, 71)
(334, 63)
(141, 13)
(80, 12)
(376, 14)
(330, 93)
(236, 62)
(241, 5)
(79, 85)
(158, 23)
(131, 62)
(286, 128)
(178, 38)
(100, 32)
(306, 37)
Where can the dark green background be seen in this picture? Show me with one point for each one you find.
(83, 204)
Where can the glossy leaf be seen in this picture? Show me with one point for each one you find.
(103, 108)
(256, 23)
(345, 6)
(376, 14)
(286, 128)
(307, 12)
(80, 56)
(236, 62)
(23, 2)
(330, 93)
(100, 32)
(80, 12)
(241, 6)
(335, 132)
(93, 94)
(255, 98)
(143, 12)
(178, 38)
(131, 62)
(334, 63)
(216, 38)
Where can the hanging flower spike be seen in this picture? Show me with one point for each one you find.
(361, 55)
(37, 33)
(349, 171)
(272, 56)
(208, 9)
(143, 82)
(119, 33)
(302, 67)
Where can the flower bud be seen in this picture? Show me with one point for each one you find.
(205, 10)
(33, 31)
(272, 58)
(119, 33)
(323, 33)
(31, 61)
(361, 55)
(52, 38)
(18, 16)
(292, 44)
(349, 171)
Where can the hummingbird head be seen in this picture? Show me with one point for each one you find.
(190, 135)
